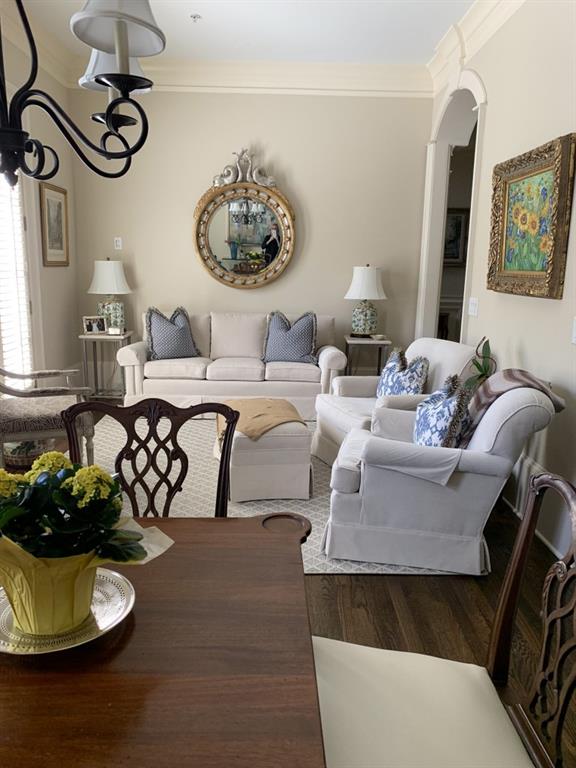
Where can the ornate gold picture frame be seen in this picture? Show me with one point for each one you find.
(531, 208)
(244, 226)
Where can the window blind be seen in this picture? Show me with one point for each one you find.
(15, 325)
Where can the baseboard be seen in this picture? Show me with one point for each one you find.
(524, 469)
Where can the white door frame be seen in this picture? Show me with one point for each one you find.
(453, 127)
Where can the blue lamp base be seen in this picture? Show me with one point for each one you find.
(364, 319)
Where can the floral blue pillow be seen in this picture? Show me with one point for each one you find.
(400, 377)
(441, 417)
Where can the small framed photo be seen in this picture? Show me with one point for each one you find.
(94, 324)
(54, 223)
(456, 237)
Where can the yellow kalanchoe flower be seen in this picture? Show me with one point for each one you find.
(89, 484)
(51, 461)
(8, 484)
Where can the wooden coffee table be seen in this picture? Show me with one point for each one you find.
(213, 669)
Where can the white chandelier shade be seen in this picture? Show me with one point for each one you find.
(96, 25)
(106, 63)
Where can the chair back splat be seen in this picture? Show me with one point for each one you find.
(541, 719)
(152, 464)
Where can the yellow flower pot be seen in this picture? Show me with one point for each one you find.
(49, 596)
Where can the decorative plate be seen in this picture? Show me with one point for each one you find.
(112, 601)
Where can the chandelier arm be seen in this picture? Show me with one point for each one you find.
(39, 150)
(125, 156)
(33, 65)
(69, 127)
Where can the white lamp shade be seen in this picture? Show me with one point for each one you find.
(105, 64)
(95, 25)
(109, 279)
(366, 284)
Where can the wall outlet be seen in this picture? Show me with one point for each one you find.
(117, 243)
(574, 330)
(473, 306)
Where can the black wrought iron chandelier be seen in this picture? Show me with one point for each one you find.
(119, 32)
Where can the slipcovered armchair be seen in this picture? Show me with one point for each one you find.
(353, 401)
(34, 413)
(396, 502)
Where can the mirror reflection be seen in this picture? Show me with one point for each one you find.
(244, 236)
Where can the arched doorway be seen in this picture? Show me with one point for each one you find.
(462, 112)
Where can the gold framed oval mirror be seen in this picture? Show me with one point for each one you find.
(244, 227)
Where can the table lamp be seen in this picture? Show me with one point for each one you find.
(366, 286)
(109, 279)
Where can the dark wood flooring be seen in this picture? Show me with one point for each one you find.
(446, 616)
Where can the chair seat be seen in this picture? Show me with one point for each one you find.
(346, 413)
(388, 709)
(34, 414)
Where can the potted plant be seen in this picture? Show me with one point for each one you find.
(58, 522)
(484, 364)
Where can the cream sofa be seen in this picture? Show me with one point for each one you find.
(231, 345)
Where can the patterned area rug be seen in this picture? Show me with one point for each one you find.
(199, 492)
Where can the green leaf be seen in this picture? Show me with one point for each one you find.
(9, 512)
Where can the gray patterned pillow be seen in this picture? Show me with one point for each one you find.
(169, 338)
(291, 343)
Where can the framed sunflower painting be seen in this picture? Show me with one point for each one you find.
(531, 207)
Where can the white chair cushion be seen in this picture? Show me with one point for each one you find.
(388, 709)
(346, 413)
(346, 469)
(292, 372)
(236, 369)
(237, 334)
(182, 368)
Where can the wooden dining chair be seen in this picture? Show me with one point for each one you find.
(389, 709)
(152, 465)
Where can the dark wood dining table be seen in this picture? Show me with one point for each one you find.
(212, 669)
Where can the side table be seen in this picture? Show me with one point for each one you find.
(382, 345)
(105, 338)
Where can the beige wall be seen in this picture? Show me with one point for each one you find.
(353, 169)
(529, 71)
(55, 304)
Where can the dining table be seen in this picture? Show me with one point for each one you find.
(213, 668)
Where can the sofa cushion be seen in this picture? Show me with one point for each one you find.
(325, 329)
(346, 469)
(169, 337)
(236, 369)
(291, 342)
(441, 417)
(237, 334)
(400, 377)
(345, 413)
(200, 325)
(292, 372)
(184, 368)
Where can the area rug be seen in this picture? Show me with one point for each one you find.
(198, 494)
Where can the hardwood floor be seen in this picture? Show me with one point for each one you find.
(447, 616)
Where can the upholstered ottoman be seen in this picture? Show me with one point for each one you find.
(276, 466)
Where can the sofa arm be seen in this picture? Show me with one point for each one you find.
(355, 386)
(393, 424)
(330, 361)
(132, 359)
(132, 354)
(401, 402)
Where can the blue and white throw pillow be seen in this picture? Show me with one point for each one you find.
(291, 342)
(441, 417)
(400, 377)
(169, 337)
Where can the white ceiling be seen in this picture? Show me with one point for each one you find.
(340, 31)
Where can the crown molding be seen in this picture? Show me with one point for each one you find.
(463, 40)
(293, 78)
(53, 58)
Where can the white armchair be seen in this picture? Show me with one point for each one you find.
(353, 401)
(397, 502)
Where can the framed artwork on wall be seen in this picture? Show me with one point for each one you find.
(456, 237)
(54, 225)
(531, 208)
